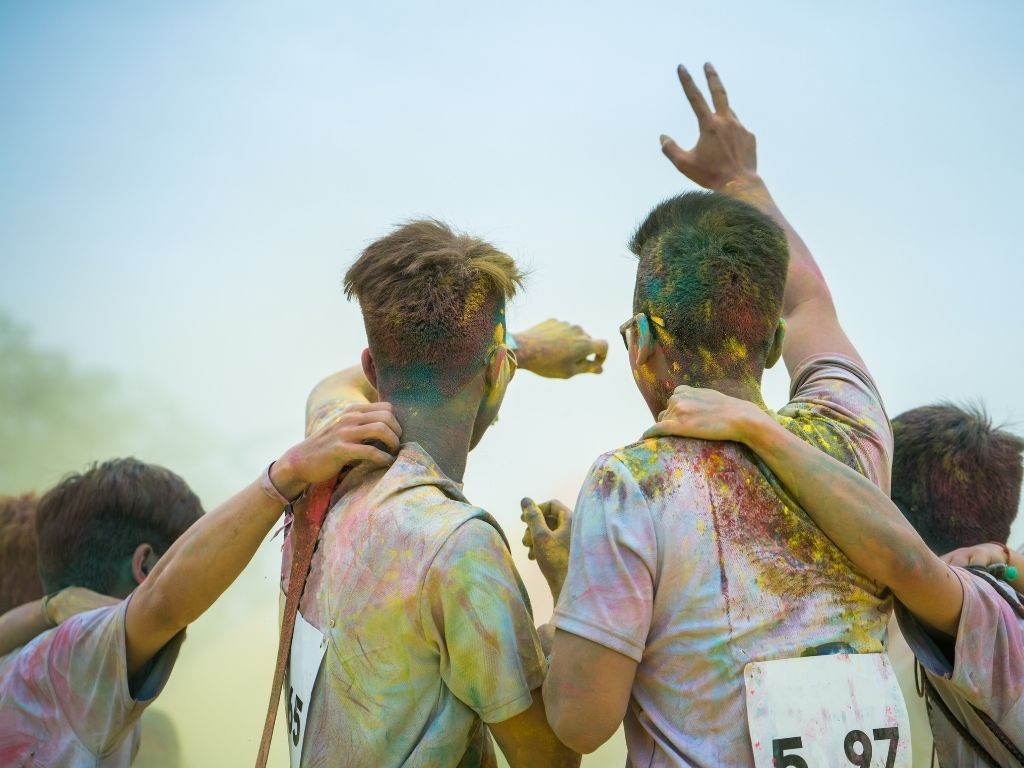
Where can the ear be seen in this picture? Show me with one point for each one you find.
(775, 352)
(644, 342)
(369, 369)
(499, 369)
(143, 560)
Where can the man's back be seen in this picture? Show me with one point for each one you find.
(688, 557)
(428, 628)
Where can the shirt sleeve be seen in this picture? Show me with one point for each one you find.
(608, 595)
(477, 611)
(835, 405)
(988, 665)
(88, 671)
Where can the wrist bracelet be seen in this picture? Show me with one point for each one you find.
(271, 491)
(46, 609)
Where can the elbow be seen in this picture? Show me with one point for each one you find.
(903, 568)
(580, 731)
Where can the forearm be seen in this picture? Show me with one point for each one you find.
(208, 557)
(198, 567)
(848, 507)
(21, 625)
(804, 280)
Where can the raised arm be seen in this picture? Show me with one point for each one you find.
(725, 160)
(858, 517)
(211, 554)
(553, 349)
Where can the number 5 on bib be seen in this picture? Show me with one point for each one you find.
(827, 711)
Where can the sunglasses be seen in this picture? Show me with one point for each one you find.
(639, 322)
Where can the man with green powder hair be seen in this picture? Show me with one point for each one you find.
(414, 642)
(689, 567)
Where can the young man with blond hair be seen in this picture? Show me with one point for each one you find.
(415, 636)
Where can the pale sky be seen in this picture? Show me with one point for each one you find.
(182, 187)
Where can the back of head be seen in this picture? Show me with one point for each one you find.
(90, 523)
(19, 576)
(432, 301)
(713, 269)
(955, 477)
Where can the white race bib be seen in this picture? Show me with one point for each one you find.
(827, 712)
(308, 647)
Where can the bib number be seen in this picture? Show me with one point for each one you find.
(308, 648)
(825, 711)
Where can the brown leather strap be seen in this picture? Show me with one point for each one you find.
(309, 515)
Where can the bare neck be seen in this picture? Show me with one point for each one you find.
(443, 430)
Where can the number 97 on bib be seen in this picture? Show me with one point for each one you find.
(827, 712)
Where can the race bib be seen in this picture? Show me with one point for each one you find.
(308, 647)
(827, 711)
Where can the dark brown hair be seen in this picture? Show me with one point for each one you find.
(714, 270)
(955, 477)
(19, 576)
(90, 522)
(430, 299)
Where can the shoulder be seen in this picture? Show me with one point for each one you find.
(465, 538)
(835, 405)
(657, 467)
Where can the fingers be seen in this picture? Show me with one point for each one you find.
(370, 455)
(658, 430)
(534, 519)
(667, 428)
(554, 514)
(598, 354)
(374, 431)
(369, 417)
(693, 95)
(680, 158)
(718, 95)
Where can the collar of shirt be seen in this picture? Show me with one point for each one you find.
(413, 467)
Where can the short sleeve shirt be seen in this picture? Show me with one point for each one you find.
(688, 557)
(985, 673)
(65, 697)
(429, 628)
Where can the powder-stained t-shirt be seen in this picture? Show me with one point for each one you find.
(65, 698)
(984, 668)
(688, 557)
(429, 626)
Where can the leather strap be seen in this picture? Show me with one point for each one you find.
(309, 515)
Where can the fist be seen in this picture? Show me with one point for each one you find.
(71, 601)
(557, 350)
(982, 555)
(546, 539)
